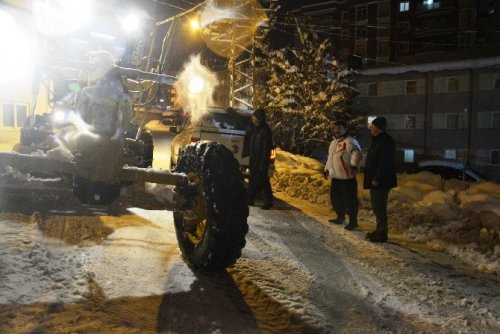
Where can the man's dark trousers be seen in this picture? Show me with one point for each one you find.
(259, 180)
(344, 198)
(379, 204)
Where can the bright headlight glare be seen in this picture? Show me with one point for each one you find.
(131, 22)
(60, 17)
(58, 116)
(15, 57)
(195, 24)
(196, 85)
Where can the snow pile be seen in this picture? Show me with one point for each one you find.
(300, 177)
(60, 153)
(13, 177)
(453, 216)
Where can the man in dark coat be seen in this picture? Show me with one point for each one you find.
(258, 145)
(380, 175)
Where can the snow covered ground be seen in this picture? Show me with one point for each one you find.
(455, 217)
(68, 268)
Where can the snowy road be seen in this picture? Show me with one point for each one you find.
(83, 270)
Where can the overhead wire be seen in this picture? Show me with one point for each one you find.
(168, 4)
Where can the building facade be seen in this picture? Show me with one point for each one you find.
(16, 96)
(439, 110)
(390, 32)
(432, 68)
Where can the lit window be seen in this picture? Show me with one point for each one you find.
(451, 121)
(495, 120)
(372, 89)
(409, 155)
(411, 87)
(450, 154)
(404, 6)
(14, 115)
(21, 114)
(495, 158)
(410, 122)
(431, 4)
(8, 115)
(452, 85)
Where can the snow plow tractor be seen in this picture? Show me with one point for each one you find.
(210, 211)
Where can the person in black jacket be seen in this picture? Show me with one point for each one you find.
(258, 145)
(380, 175)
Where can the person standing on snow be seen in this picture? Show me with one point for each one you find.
(344, 155)
(258, 145)
(380, 175)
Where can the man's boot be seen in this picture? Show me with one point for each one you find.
(353, 222)
(351, 226)
(378, 237)
(337, 221)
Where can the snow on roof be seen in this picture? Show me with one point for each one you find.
(431, 67)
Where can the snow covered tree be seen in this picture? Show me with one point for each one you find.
(304, 91)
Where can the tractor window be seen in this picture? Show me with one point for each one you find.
(226, 121)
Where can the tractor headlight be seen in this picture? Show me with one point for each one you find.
(58, 116)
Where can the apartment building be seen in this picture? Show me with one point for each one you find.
(432, 68)
(447, 110)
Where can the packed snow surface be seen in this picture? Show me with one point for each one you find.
(460, 218)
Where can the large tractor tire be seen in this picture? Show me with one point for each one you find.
(211, 233)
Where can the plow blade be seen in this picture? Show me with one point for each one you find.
(32, 163)
(27, 163)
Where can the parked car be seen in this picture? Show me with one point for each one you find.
(216, 126)
(449, 169)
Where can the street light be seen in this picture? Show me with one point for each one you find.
(195, 24)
